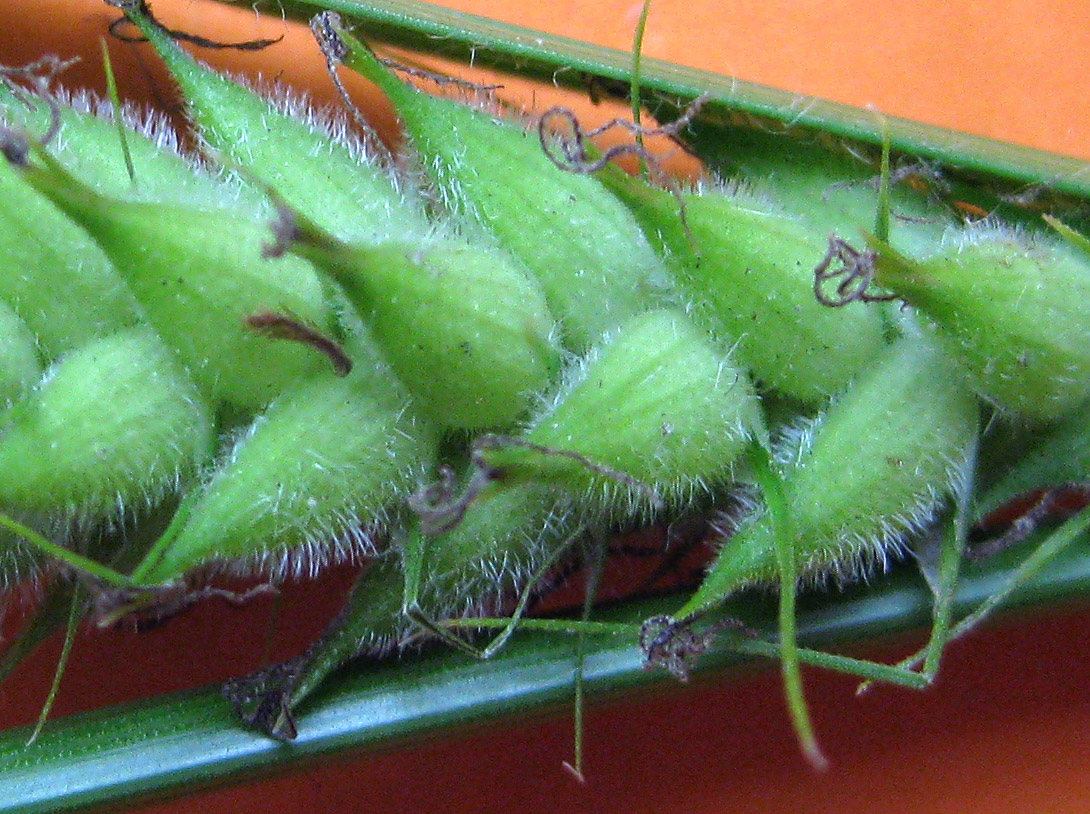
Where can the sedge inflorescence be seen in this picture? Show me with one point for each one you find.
(291, 352)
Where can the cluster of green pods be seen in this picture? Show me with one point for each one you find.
(289, 352)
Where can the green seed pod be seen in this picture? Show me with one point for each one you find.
(19, 365)
(749, 272)
(313, 164)
(55, 277)
(199, 276)
(307, 483)
(653, 409)
(88, 145)
(1014, 313)
(111, 428)
(873, 469)
(465, 328)
(595, 265)
(830, 184)
(505, 533)
(651, 416)
(654, 402)
(479, 372)
(502, 539)
(653, 413)
(19, 370)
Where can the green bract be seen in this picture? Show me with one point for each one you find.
(54, 276)
(308, 482)
(749, 272)
(464, 327)
(506, 531)
(110, 428)
(590, 256)
(87, 144)
(200, 275)
(873, 469)
(1013, 312)
(318, 172)
(653, 412)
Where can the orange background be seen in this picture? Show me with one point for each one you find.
(1008, 727)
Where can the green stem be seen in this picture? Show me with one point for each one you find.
(881, 218)
(115, 102)
(784, 533)
(78, 561)
(635, 98)
(69, 639)
(1054, 545)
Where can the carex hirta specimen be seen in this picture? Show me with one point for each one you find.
(304, 353)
